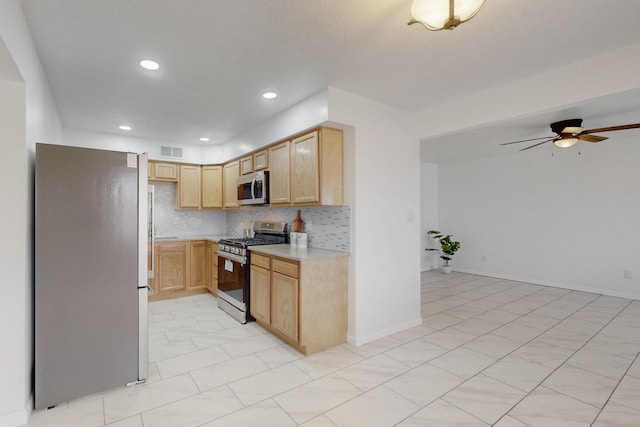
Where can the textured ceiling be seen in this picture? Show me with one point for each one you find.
(218, 56)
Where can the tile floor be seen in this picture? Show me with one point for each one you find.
(490, 352)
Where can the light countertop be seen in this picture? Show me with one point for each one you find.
(211, 237)
(296, 253)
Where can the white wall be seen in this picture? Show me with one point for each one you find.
(385, 216)
(568, 220)
(26, 119)
(428, 214)
(109, 141)
(306, 114)
(15, 356)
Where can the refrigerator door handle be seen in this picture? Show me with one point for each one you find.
(152, 233)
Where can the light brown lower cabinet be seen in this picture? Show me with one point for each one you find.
(213, 284)
(260, 301)
(200, 265)
(171, 261)
(304, 303)
(184, 268)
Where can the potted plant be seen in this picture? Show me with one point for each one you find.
(448, 248)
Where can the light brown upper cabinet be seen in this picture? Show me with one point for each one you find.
(230, 185)
(260, 160)
(317, 168)
(308, 170)
(212, 187)
(159, 171)
(188, 194)
(246, 165)
(305, 176)
(279, 174)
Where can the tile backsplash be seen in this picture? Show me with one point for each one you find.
(173, 222)
(328, 227)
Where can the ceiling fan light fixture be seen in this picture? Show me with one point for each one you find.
(443, 14)
(565, 142)
(572, 129)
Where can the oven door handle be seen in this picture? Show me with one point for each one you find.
(237, 258)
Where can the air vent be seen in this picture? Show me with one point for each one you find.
(171, 152)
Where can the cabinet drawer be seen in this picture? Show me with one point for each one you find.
(260, 261)
(170, 247)
(287, 268)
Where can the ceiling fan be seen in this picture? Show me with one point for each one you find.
(568, 132)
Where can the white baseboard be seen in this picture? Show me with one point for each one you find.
(360, 340)
(608, 292)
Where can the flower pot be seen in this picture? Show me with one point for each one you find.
(446, 269)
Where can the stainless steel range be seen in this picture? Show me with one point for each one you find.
(233, 267)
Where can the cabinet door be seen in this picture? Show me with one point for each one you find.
(284, 305)
(212, 186)
(260, 294)
(246, 165)
(207, 264)
(165, 171)
(171, 267)
(230, 192)
(260, 160)
(198, 268)
(279, 173)
(214, 268)
(189, 187)
(305, 182)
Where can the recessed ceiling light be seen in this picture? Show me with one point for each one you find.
(269, 95)
(149, 64)
(124, 127)
(204, 139)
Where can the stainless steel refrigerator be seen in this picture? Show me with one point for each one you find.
(91, 230)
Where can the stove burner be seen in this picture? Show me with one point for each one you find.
(244, 242)
(265, 234)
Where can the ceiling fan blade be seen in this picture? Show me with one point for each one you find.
(527, 140)
(539, 143)
(611, 128)
(591, 138)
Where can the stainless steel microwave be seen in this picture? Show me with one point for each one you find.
(253, 189)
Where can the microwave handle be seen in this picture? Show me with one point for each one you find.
(253, 188)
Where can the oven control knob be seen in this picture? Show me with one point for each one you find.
(236, 251)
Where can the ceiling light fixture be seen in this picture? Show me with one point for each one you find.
(149, 64)
(269, 95)
(204, 139)
(565, 141)
(124, 127)
(443, 14)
